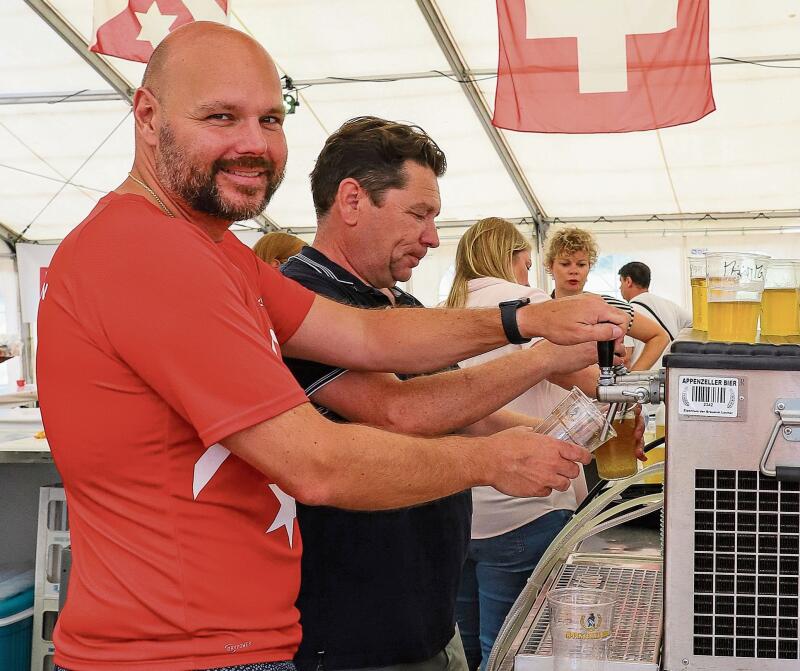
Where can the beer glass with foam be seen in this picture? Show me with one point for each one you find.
(735, 282)
(779, 302)
(697, 279)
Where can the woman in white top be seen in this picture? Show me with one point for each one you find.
(509, 535)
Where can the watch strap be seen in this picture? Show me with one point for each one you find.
(508, 318)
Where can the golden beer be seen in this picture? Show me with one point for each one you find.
(617, 459)
(779, 312)
(654, 455)
(733, 321)
(699, 303)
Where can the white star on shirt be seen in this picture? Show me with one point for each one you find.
(155, 25)
(287, 513)
(275, 343)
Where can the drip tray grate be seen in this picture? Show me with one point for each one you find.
(637, 614)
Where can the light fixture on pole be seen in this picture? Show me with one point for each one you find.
(290, 98)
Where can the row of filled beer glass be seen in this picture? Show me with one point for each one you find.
(732, 291)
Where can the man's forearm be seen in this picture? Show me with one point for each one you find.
(364, 479)
(500, 421)
(585, 379)
(446, 402)
(361, 468)
(473, 331)
(419, 340)
(437, 338)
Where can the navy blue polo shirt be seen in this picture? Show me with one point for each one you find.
(377, 588)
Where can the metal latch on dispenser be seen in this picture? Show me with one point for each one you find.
(788, 426)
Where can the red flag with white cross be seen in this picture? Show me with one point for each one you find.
(602, 66)
(132, 29)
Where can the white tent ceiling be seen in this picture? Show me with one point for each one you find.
(58, 158)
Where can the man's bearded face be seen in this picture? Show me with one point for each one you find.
(197, 181)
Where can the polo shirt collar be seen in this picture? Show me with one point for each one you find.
(333, 270)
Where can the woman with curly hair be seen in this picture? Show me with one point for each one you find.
(569, 254)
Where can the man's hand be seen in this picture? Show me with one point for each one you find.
(565, 359)
(573, 320)
(530, 464)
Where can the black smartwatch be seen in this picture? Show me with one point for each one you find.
(508, 317)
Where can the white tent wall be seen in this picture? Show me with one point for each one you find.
(251, 237)
(427, 277)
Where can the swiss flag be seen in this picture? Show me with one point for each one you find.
(131, 29)
(602, 66)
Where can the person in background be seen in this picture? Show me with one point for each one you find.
(509, 535)
(378, 590)
(634, 285)
(570, 253)
(181, 437)
(276, 247)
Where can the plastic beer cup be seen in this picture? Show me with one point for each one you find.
(577, 420)
(697, 279)
(616, 459)
(735, 283)
(581, 621)
(779, 302)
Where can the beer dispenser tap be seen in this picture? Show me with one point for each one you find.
(617, 385)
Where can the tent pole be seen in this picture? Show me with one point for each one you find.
(74, 39)
(541, 228)
(454, 57)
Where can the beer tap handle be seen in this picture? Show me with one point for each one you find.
(605, 357)
(605, 353)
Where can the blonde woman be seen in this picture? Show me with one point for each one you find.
(276, 247)
(509, 534)
(569, 255)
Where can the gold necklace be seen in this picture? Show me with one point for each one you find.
(152, 193)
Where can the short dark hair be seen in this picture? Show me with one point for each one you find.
(373, 152)
(638, 272)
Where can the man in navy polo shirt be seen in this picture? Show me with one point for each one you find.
(378, 589)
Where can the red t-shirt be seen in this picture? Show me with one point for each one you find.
(155, 343)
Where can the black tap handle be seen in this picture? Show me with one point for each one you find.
(605, 353)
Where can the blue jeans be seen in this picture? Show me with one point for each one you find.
(495, 573)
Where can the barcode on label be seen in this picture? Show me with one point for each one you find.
(707, 396)
(703, 394)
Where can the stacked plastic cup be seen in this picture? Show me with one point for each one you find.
(577, 420)
(779, 302)
(581, 627)
(697, 279)
(735, 282)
